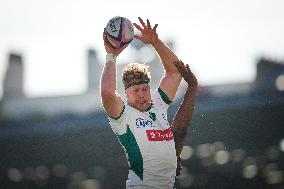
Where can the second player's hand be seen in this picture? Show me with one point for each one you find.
(186, 73)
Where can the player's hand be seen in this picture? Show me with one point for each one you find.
(148, 34)
(109, 48)
(186, 73)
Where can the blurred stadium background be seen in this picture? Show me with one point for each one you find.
(64, 142)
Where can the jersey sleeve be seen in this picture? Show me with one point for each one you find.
(160, 98)
(119, 124)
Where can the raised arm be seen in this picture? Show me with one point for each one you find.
(111, 100)
(171, 80)
(182, 120)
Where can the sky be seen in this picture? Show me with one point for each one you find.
(220, 40)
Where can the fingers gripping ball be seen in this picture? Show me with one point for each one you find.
(120, 31)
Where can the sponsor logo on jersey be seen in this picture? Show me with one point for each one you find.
(144, 123)
(160, 135)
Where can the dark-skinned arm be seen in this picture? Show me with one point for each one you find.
(182, 120)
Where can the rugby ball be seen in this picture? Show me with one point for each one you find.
(120, 31)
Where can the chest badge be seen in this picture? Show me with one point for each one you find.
(152, 116)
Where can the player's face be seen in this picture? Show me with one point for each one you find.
(139, 96)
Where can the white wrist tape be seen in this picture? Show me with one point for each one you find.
(110, 57)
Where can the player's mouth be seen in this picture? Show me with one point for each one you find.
(141, 102)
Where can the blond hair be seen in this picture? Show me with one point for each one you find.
(135, 71)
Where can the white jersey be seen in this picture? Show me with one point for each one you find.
(149, 145)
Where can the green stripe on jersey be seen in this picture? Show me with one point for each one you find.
(135, 159)
(164, 96)
(116, 118)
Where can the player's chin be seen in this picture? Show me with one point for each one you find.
(141, 106)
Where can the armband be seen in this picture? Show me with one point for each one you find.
(110, 57)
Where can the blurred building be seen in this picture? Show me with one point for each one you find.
(15, 104)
